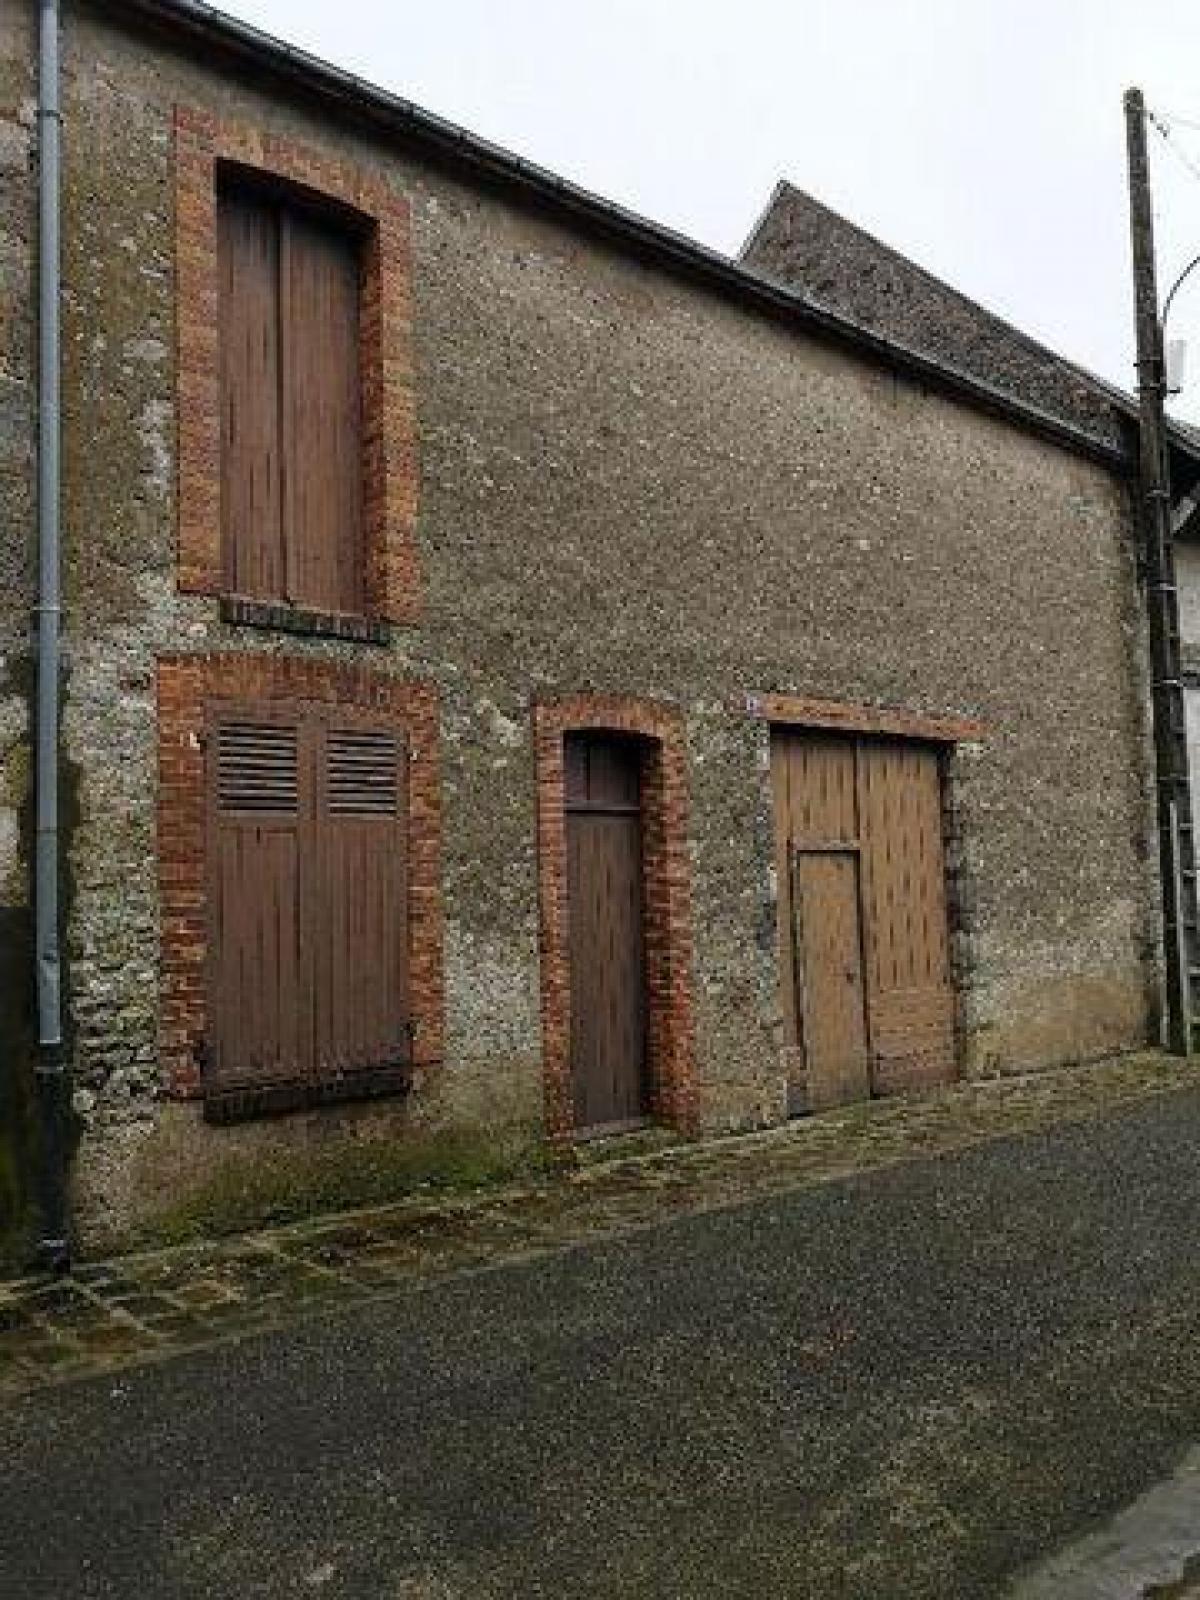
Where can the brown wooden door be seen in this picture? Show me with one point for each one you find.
(308, 948)
(880, 800)
(606, 929)
(827, 945)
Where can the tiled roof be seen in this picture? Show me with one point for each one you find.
(803, 244)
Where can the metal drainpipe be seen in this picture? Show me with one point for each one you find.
(50, 1072)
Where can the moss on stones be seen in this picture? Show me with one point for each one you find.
(254, 1190)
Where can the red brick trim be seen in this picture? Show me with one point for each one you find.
(389, 432)
(186, 683)
(843, 716)
(671, 1042)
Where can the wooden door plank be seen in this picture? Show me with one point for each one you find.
(910, 998)
(321, 410)
(249, 358)
(825, 896)
(607, 967)
(782, 755)
(606, 932)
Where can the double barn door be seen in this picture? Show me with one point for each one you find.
(308, 894)
(867, 993)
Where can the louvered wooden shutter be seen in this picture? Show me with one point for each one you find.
(361, 982)
(291, 433)
(308, 918)
(258, 1029)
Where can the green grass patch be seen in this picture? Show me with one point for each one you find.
(266, 1188)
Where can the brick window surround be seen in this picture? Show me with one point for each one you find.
(202, 143)
(186, 683)
(667, 877)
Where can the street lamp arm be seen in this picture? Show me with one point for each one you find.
(1194, 262)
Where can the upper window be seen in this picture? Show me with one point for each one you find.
(297, 461)
(292, 463)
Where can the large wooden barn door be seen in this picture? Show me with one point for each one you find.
(606, 929)
(867, 997)
(308, 973)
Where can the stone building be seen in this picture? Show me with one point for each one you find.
(525, 674)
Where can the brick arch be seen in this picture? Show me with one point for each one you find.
(666, 865)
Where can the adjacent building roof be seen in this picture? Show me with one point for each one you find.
(1076, 419)
(802, 243)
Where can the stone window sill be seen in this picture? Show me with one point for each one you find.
(247, 613)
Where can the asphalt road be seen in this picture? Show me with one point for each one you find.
(913, 1382)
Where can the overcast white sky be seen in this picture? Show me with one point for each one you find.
(983, 138)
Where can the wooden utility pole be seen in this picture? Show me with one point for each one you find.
(1177, 856)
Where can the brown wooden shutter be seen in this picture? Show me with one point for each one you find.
(291, 403)
(361, 927)
(308, 909)
(258, 1029)
(321, 410)
(248, 332)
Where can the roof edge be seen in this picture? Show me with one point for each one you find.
(199, 22)
(1121, 399)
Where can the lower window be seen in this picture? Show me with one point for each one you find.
(307, 895)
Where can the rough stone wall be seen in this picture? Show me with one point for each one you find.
(628, 486)
(17, 400)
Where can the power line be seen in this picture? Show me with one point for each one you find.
(1169, 117)
(1161, 125)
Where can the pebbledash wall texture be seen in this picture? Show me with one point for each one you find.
(634, 495)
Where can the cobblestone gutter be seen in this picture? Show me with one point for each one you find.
(148, 1306)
